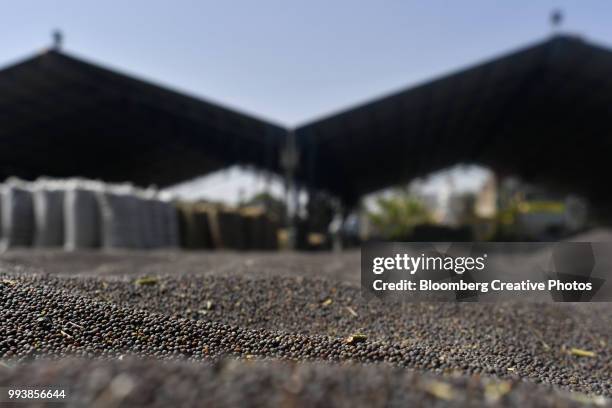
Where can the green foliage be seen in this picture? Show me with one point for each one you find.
(396, 216)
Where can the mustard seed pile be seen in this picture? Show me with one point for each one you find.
(187, 328)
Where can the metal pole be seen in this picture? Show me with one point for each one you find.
(289, 162)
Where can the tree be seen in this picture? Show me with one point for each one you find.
(396, 216)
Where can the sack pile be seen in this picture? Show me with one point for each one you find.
(17, 214)
(85, 214)
(195, 228)
(48, 202)
(81, 214)
(260, 231)
(208, 226)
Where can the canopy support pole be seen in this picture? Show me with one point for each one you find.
(289, 162)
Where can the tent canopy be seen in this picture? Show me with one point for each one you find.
(61, 116)
(543, 113)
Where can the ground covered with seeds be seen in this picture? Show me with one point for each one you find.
(138, 382)
(207, 331)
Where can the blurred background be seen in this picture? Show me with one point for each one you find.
(307, 125)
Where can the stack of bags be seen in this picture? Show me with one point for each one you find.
(195, 227)
(208, 226)
(260, 231)
(78, 214)
(17, 214)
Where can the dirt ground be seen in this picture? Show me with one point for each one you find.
(342, 266)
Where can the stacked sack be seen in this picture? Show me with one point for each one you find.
(135, 218)
(208, 226)
(166, 206)
(17, 214)
(48, 203)
(195, 228)
(81, 214)
(260, 231)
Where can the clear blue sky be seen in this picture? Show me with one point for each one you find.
(290, 61)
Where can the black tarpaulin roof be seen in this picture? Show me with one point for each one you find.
(543, 112)
(61, 116)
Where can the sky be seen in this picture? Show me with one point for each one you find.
(291, 61)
